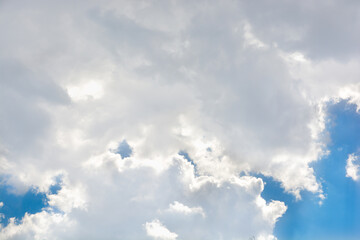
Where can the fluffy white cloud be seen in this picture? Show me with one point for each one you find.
(353, 167)
(36, 226)
(239, 86)
(177, 207)
(139, 201)
(156, 230)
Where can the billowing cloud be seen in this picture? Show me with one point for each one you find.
(156, 230)
(141, 201)
(106, 96)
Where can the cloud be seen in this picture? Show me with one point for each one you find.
(352, 167)
(123, 202)
(35, 226)
(90, 90)
(240, 87)
(177, 207)
(307, 27)
(158, 231)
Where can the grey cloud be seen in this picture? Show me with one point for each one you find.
(325, 29)
(23, 121)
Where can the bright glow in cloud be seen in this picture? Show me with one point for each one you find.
(88, 90)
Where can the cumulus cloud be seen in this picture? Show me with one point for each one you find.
(177, 207)
(36, 226)
(239, 86)
(158, 231)
(140, 201)
(352, 167)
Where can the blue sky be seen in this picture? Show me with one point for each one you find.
(123, 149)
(16, 204)
(339, 215)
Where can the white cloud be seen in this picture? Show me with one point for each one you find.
(89, 90)
(240, 89)
(36, 226)
(68, 198)
(250, 39)
(158, 231)
(177, 207)
(130, 199)
(353, 167)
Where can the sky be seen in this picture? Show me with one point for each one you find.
(180, 119)
(339, 214)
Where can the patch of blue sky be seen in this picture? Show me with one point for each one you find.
(16, 205)
(339, 215)
(124, 149)
(55, 188)
(189, 159)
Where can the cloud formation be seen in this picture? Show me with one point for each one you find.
(140, 201)
(156, 230)
(239, 86)
(352, 167)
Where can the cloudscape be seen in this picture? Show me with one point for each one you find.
(166, 119)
